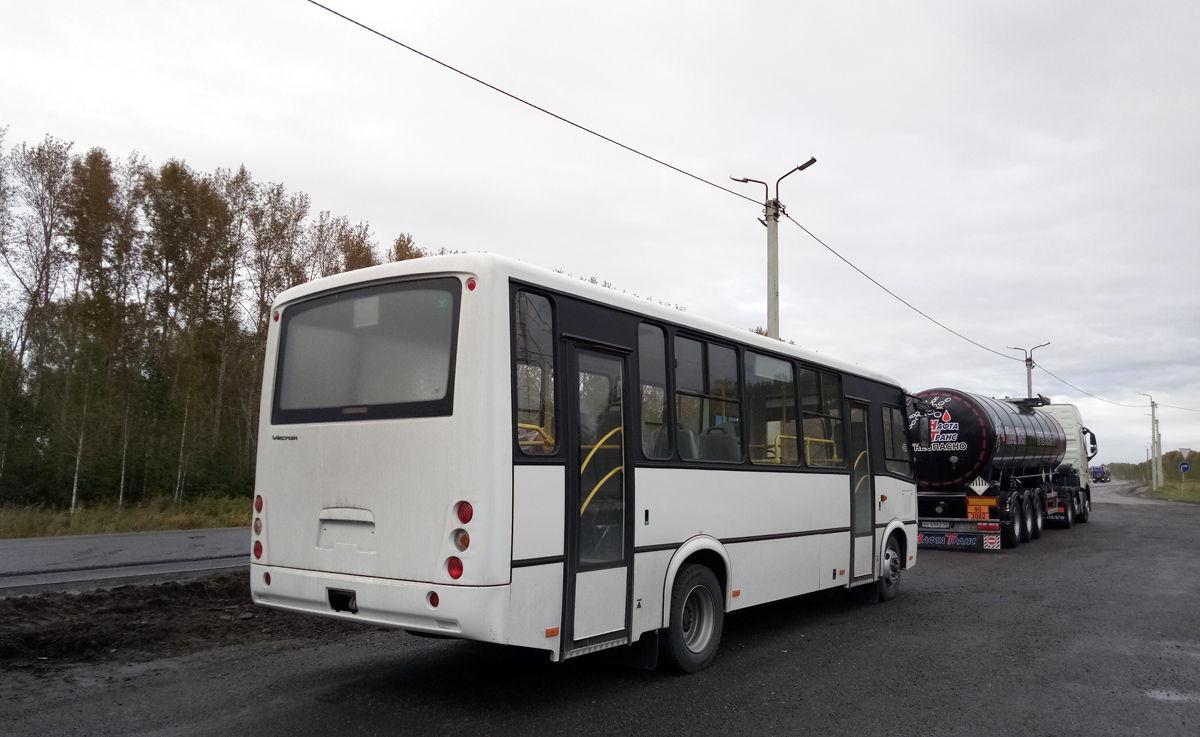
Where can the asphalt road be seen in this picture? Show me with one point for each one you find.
(74, 561)
(1091, 631)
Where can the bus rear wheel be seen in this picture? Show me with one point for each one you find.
(697, 617)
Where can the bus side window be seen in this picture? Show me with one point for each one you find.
(534, 374)
(652, 368)
(896, 456)
(707, 405)
(821, 411)
(771, 410)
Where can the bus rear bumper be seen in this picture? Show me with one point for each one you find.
(469, 612)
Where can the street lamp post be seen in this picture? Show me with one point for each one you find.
(772, 210)
(1029, 366)
(1156, 479)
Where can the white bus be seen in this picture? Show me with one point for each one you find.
(470, 446)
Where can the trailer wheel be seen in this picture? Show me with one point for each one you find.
(1010, 537)
(1068, 503)
(1026, 520)
(889, 573)
(1085, 507)
(1039, 517)
(697, 616)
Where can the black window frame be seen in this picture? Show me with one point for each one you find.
(668, 391)
(796, 367)
(887, 458)
(443, 407)
(740, 399)
(842, 419)
(519, 455)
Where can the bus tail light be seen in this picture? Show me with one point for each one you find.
(465, 512)
(462, 540)
(454, 567)
(988, 526)
(258, 503)
(471, 284)
(258, 525)
(257, 549)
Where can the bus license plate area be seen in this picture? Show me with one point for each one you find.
(342, 600)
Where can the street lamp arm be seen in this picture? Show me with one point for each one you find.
(766, 187)
(812, 160)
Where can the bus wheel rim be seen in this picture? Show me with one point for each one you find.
(697, 621)
(891, 562)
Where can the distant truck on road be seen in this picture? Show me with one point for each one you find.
(1100, 474)
(991, 472)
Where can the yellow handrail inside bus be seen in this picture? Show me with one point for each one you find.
(546, 442)
(779, 446)
(589, 496)
(596, 447)
(808, 450)
(865, 476)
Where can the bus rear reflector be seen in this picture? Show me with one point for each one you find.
(471, 284)
(988, 526)
(258, 549)
(454, 567)
(465, 512)
(433, 599)
(267, 578)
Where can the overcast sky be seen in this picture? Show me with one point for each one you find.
(1022, 171)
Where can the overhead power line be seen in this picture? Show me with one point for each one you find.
(523, 101)
(710, 183)
(1093, 396)
(907, 304)
(903, 301)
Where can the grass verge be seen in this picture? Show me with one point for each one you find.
(1173, 492)
(154, 514)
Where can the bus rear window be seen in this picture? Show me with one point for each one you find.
(377, 352)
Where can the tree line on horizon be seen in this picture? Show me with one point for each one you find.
(134, 303)
(1141, 472)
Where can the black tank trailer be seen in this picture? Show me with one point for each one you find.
(987, 470)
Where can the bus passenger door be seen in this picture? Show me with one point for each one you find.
(862, 493)
(598, 570)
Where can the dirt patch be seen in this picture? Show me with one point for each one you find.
(151, 621)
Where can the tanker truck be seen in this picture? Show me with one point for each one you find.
(992, 472)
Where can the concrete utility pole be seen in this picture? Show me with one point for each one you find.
(772, 210)
(1155, 445)
(1029, 366)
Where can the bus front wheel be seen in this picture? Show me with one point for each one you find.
(889, 574)
(697, 617)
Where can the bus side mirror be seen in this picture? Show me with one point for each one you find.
(920, 412)
(923, 435)
(1094, 449)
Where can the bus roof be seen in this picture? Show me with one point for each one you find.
(481, 264)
